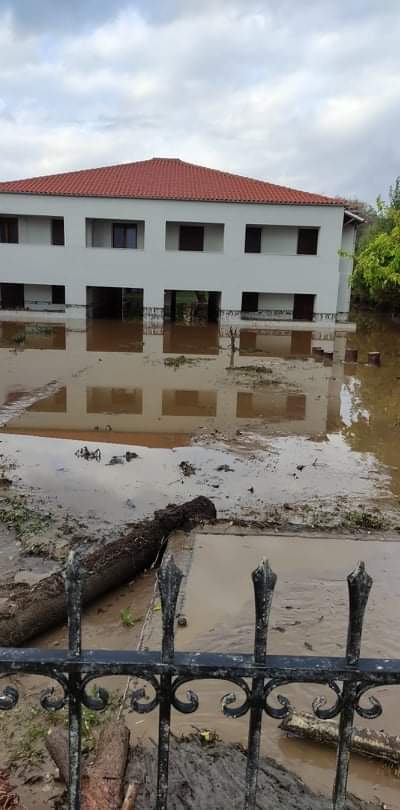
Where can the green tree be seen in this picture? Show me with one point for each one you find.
(394, 195)
(376, 274)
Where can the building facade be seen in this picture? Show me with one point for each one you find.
(153, 236)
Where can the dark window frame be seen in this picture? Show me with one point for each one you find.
(307, 238)
(124, 228)
(187, 237)
(57, 232)
(253, 237)
(9, 231)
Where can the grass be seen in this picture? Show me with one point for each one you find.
(15, 514)
(26, 729)
(251, 369)
(176, 362)
(127, 619)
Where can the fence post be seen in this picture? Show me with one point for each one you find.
(169, 581)
(359, 585)
(73, 584)
(264, 581)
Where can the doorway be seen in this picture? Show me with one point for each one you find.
(12, 296)
(303, 309)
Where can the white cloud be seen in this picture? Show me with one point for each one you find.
(295, 93)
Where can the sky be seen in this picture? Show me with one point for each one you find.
(305, 93)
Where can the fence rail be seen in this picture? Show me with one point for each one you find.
(166, 672)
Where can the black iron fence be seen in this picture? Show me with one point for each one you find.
(165, 672)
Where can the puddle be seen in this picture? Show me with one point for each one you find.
(309, 608)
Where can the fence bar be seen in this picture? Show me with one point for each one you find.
(74, 597)
(264, 581)
(359, 586)
(169, 581)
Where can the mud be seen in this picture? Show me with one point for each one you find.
(213, 776)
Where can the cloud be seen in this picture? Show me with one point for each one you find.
(305, 94)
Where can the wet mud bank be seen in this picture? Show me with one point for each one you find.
(213, 776)
(27, 611)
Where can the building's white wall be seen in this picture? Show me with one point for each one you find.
(37, 296)
(34, 230)
(276, 301)
(345, 269)
(155, 268)
(279, 240)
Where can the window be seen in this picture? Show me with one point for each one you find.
(9, 230)
(124, 235)
(58, 294)
(57, 231)
(253, 239)
(191, 237)
(307, 241)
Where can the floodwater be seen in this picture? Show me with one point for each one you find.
(275, 401)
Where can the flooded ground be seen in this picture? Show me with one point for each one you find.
(281, 432)
(293, 422)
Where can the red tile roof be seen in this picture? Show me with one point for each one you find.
(164, 179)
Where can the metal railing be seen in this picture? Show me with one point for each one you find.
(257, 675)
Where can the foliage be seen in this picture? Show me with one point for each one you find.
(376, 275)
(394, 195)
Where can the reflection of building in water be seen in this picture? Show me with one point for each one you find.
(31, 335)
(135, 391)
(191, 339)
(101, 399)
(189, 403)
(275, 343)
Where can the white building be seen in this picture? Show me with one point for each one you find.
(136, 237)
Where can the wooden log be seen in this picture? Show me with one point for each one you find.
(366, 741)
(351, 356)
(102, 782)
(374, 358)
(26, 611)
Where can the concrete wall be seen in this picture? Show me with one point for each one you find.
(155, 268)
(279, 240)
(276, 301)
(345, 270)
(34, 230)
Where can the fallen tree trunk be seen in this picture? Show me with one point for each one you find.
(27, 611)
(365, 741)
(102, 782)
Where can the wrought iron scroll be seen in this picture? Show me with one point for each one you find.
(166, 673)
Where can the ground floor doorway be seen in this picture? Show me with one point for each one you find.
(303, 309)
(12, 296)
(115, 303)
(188, 306)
